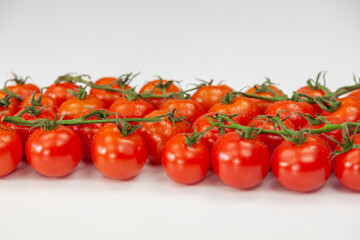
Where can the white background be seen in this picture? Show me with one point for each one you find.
(237, 41)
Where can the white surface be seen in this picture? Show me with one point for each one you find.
(237, 41)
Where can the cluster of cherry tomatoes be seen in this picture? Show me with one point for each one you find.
(189, 144)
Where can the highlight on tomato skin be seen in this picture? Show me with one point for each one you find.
(208, 96)
(239, 162)
(304, 167)
(54, 153)
(185, 164)
(11, 150)
(347, 167)
(117, 156)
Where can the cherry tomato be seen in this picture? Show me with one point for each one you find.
(75, 106)
(238, 162)
(263, 104)
(11, 108)
(347, 167)
(272, 141)
(292, 108)
(156, 134)
(54, 153)
(59, 91)
(349, 110)
(45, 101)
(312, 93)
(11, 150)
(87, 132)
(245, 107)
(108, 97)
(25, 131)
(184, 107)
(303, 168)
(118, 156)
(336, 134)
(208, 96)
(131, 109)
(184, 164)
(213, 134)
(148, 87)
(24, 90)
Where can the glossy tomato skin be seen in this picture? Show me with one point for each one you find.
(106, 96)
(48, 101)
(25, 131)
(184, 164)
(349, 110)
(238, 162)
(11, 109)
(54, 153)
(59, 91)
(208, 96)
(336, 134)
(117, 156)
(213, 134)
(290, 107)
(263, 104)
(75, 106)
(86, 133)
(245, 107)
(304, 167)
(24, 90)
(11, 150)
(156, 134)
(150, 86)
(272, 141)
(355, 93)
(131, 109)
(347, 167)
(185, 108)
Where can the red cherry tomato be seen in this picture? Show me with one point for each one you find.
(156, 134)
(245, 107)
(54, 153)
(118, 156)
(59, 91)
(11, 108)
(347, 167)
(26, 131)
(11, 150)
(131, 109)
(349, 110)
(213, 134)
(272, 141)
(184, 164)
(186, 108)
(238, 162)
(87, 132)
(148, 87)
(108, 97)
(263, 104)
(304, 167)
(336, 134)
(24, 90)
(312, 93)
(208, 96)
(288, 108)
(45, 101)
(75, 106)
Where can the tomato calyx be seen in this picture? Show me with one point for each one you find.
(18, 79)
(79, 93)
(5, 102)
(316, 85)
(124, 127)
(348, 141)
(192, 138)
(71, 78)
